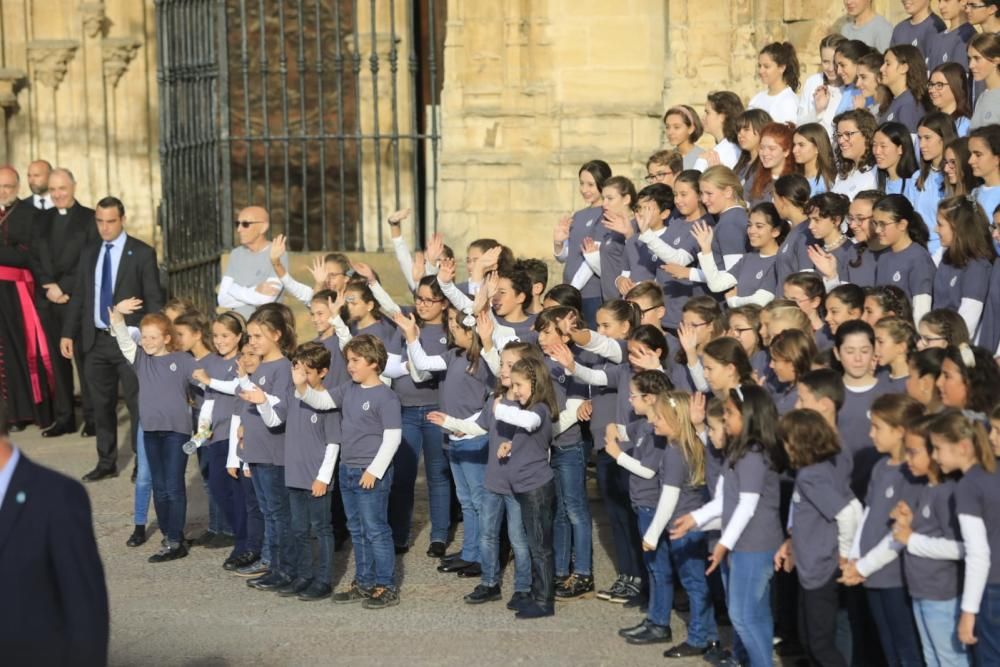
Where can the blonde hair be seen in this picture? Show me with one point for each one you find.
(793, 316)
(954, 427)
(723, 177)
(676, 405)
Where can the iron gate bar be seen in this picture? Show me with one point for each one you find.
(338, 62)
(377, 149)
(301, 64)
(245, 68)
(263, 105)
(283, 72)
(393, 67)
(432, 50)
(359, 146)
(418, 215)
(225, 162)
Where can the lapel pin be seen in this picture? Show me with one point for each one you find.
(129, 253)
(21, 497)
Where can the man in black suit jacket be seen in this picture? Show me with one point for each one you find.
(54, 607)
(131, 266)
(64, 231)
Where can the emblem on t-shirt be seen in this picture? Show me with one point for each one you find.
(951, 283)
(229, 369)
(365, 406)
(677, 241)
(444, 340)
(914, 42)
(945, 57)
(896, 277)
(760, 274)
(926, 511)
(561, 379)
(784, 249)
(173, 367)
(638, 443)
(890, 116)
(314, 419)
(262, 380)
(796, 498)
(889, 493)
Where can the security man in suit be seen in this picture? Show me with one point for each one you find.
(119, 267)
(65, 230)
(54, 607)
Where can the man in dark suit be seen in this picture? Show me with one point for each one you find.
(54, 607)
(119, 267)
(24, 378)
(64, 231)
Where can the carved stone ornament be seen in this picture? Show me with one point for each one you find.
(95, 21)
(50, 58)
(11, 80)
(118, 52)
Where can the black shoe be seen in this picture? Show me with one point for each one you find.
(294, 587)
(220, 541)
(483, 593)
(685, 650)
(138, 537)
(231, 563)
(97, 474)
(715, 654)
(58, 429)
(615, 587)
(256, 569)
(436, 550)
(471, 572)
(169, 553)
(401, 550)
(88, 430)
(447, 558)
(316, 591)
(631, 588)
(455, 565)
(354, 593)
(381, 597)
(651, 634)
(576, 587)
(535, 610)
(631, 630)
(270, 582)
(640, 602)
(204, 539)
(518, 600)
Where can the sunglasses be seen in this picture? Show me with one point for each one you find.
(245, 224)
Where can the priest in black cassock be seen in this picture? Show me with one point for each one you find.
(65, 230)
(25, 357)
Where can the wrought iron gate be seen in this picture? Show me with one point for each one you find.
(322, 111)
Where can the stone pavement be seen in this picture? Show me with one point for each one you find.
(191, 612)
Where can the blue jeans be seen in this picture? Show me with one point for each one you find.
(226, 492)
(311, 519)
(217, 520)
(937, 623)
(537, 509)
(892, 612)
(660, 574)
(254, 518)
(468, 469)
(490, 521)
(272, 496)
(689, 555)
(143, 483)
(748, 589)
(374, 556)
(167, 463)
(420, 436)
(612, 481)
(571, 526)
(987, 649)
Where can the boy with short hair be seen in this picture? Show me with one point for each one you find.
(663, 167)
(865, 25)
(538, 273)
(985, 14)
(371, 433)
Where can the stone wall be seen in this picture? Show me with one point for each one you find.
(78, 88)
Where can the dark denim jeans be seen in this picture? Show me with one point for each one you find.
(143, 482)
(468, 469)
(272, 496)
(420, 436)
(612, 480)
(226, 492)
(748, 591)
(537, 510)
(897, 631)
(374, 556)
(311, 519)
(490, 521)
(987, 649)
(572, 536)
(217, 519)
(658, 571)
(167, 463)
(254, 518)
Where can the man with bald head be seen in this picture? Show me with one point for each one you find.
(24, 358)
(250, 280)
(38, 182)
(64, 231)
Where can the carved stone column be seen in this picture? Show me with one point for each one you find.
(48, 61)
(95, 21)
(11, 80)
(116, 54)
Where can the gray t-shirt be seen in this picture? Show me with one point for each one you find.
(261, 443)
(920, 35)
(307, 434)
(987, 111)
(889, 484)
(586, 222)
(793, 256)
(676, 292)
(877, 33)
(219, 368)
(675, 472)
(853, 424)
(753, 474)
(163, 391)
(911, 270)
(647, 449)
(249, 269)
(821, 492)
(367, 412)
(978, 495)
(934, 516)
(527, 467)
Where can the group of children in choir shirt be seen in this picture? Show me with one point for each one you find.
(778, 358)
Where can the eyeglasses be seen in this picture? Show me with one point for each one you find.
(927, 340)
(880, 226)
(742, 330)
(858, 219)
(245, 224)
(937, 85)
(949, 163)
(652, 178)
(695, 325)
(646, 310)
(426, 301)
(978, 5)
(847, 136)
